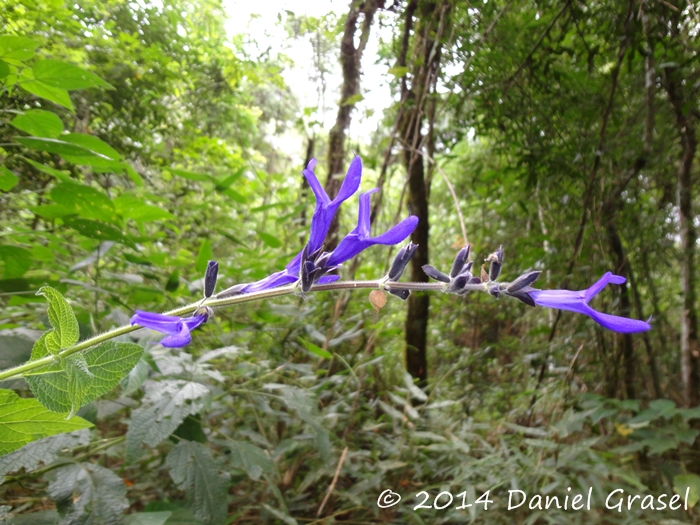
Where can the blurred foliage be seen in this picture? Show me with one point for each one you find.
(137, 141)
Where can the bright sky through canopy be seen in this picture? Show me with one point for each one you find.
(262, 19)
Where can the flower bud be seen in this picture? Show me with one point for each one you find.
(435, 273)
(524, 280)
(402, 258)
(460, 261)
(401, 294)
(210, 278)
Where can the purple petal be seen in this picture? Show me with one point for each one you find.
(273, 281)
(321, 195)
(182, 338)
(165, 324)
(347, 248)
(398, 233)
(194, 321)
(351, 182)
(616, 323)
(609, 277)
(560, 299)
(363, 214)
(326, 279)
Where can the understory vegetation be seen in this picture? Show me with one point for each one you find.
(140, 140)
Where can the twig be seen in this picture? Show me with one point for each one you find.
(335, 479)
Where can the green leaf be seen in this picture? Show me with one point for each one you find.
(147, 518)
(55, 146)
(204, 255)
(64, 177)
(316, 350)
(25, 420)
(99, 230)
(63, 75)
(88, 493)
(133, 175)
(398, 71)
(8, 180)
(194, 470)
(65, 331)
(50, 211)
(270, 240)
(690, 483)
(165, 406)
(250, 458)
(17, 47)
(133, 207)
(45, 451)
(39, 123)
(354, 99)
(191, 429)
(85, 201)
(4, 69)
(234, 195)
(83, 378)
(226, 182)
(53, 94)
(17, 261)
(179, 516)
(92, 144)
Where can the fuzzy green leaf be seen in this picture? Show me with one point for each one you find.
(25, 420)
(165, 406)
(251, 458)
(80, 379)
(65, 331)
(194, 470)
(89, 493)
(45, 451)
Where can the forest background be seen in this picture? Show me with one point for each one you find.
(564, 131)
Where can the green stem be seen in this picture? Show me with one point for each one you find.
(215, 302)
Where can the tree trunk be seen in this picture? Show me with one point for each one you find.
(350, 59)
(690, 350)
(625, 344)
(430, 24)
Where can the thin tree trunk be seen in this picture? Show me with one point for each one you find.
(430, 23)
(350, 60)
(690, 349)
(625, 342)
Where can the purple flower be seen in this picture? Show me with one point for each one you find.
(177, 328)
(325, 207)
(578, 302)
(359, 239)
(320, 223)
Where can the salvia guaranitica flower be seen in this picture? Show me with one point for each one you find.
(177, 329)
(314, 270)
(577, 301)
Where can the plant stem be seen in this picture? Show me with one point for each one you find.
(31, 366)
